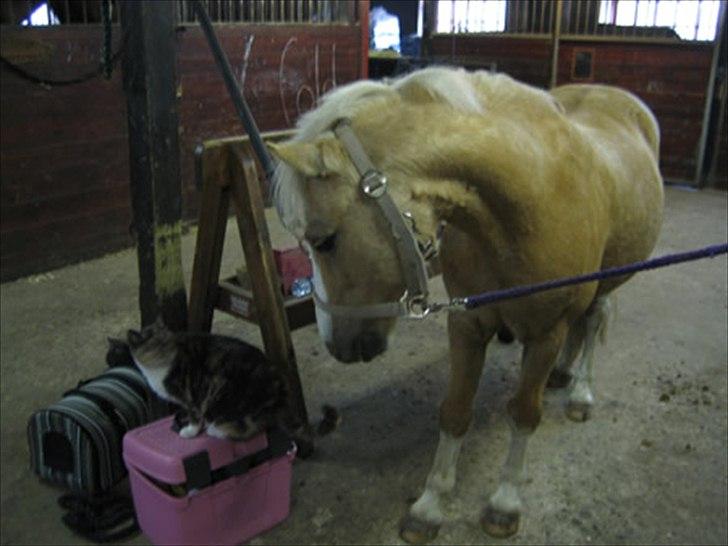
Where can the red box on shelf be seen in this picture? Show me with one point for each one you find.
(291, 263)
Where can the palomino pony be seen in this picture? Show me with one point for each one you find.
(529, 186)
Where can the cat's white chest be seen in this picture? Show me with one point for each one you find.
(155, 379)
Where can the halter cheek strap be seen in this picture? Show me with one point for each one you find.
(373, 184)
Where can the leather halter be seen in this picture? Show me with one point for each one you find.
(373, 184)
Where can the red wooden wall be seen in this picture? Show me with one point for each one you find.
(527, 60)
(64, 184)
(286, 71)
(671, 79)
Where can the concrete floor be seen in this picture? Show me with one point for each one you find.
(642, 471)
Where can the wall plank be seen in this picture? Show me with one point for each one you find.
(527, 60)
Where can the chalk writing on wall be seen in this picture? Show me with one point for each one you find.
(295, 86)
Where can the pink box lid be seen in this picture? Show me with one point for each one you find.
(159, 451)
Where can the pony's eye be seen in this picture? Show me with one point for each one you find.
(324, 244)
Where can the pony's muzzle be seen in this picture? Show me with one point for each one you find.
(365, 346)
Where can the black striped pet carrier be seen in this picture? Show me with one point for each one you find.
(76, 442)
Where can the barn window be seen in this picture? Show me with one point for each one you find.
(471, 16)
(691, 20)
(89, 12)
(41, 16)
(671, 19)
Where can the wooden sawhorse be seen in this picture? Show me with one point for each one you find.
(227, 172)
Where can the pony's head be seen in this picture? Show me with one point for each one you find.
(319, 199)
(352, 251)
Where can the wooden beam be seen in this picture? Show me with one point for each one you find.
(429, 26)
(265, 282)
(364, 28)
(214, 204)
(555, 37)
(700, 177)
(150, 86)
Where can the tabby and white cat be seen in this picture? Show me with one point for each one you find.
(227, 387)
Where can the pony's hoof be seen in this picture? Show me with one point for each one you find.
(417, 531)
(500, 524)
(558, 379)
(578, 411)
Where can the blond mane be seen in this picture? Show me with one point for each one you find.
(451, 86)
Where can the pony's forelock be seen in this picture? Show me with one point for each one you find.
(288, 199)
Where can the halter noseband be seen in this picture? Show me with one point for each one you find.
(413, 303)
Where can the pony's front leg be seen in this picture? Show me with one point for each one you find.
(503, 513)
(467, 354)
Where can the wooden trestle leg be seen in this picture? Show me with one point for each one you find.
(233, 176)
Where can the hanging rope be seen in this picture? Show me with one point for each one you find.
(106, 54)
(105, 68)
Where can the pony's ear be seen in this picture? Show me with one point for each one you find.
(333, 156)
(315, 159)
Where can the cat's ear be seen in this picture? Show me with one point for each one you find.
(159, 324)
(134, 338)
(118, 353)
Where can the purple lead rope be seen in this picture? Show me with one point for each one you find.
(471, 302)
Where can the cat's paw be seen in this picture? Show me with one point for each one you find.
(190, 431)
(216, 432)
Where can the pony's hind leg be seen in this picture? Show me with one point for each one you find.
(467, 354)
(561, 375)
(503, 513)
(581, 398)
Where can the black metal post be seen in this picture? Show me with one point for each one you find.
(150, 85)
(235, 94)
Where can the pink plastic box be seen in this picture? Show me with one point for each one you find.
(206, 490)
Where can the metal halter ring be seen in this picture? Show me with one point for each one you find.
(417, 306)
(373, 184)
